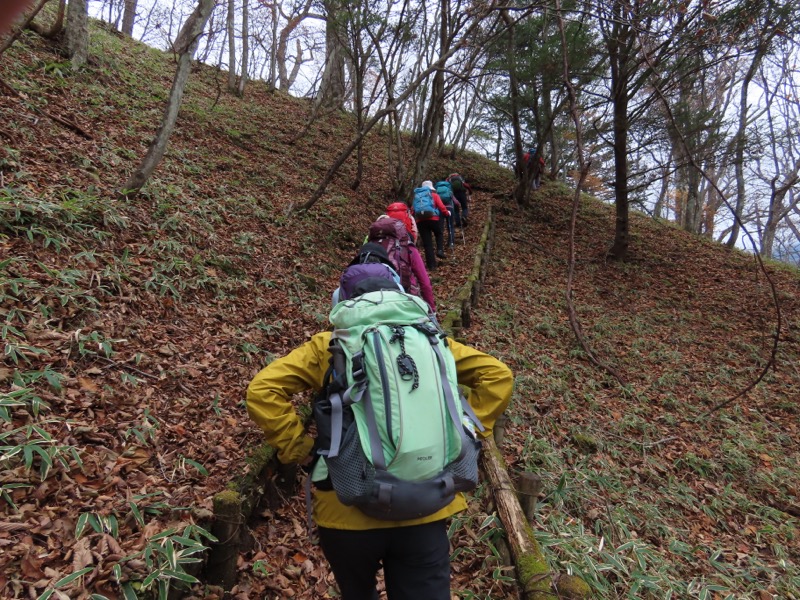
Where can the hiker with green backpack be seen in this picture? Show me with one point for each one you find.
(462, 191)
(397, 443)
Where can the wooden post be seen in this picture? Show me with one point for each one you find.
(227, 528)
(533, 573)
(500, 429)
(534, 577)
(530, 484)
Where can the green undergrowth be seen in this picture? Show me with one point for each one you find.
(645, 494)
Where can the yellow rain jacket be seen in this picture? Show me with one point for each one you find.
(488, 381)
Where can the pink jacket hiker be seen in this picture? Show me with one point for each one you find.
(425, 287)
(381, 228)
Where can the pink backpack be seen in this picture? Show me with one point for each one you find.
(393, 236)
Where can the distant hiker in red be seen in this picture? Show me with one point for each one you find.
(401, 212)
(428, 206)
(535, 164)
(538, 173)
(392, 235)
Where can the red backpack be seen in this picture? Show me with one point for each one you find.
(393, 236)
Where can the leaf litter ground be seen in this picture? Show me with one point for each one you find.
(140, 325)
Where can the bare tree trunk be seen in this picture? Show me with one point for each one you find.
(618, 51)
(297, 64)
(77, 40)
(129, 16)
(693, 200)
(499, 144)
(462, 133)
(280, 45)
(741, 143)
(662, 196)
(713, 202)
(523, 174)
(245, 47)
(417, 116)
(273, 57)
(185, 46)
(621, 233)
(229, 24)
(332, 88)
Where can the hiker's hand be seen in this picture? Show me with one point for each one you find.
(305, 464)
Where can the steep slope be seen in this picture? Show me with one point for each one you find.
(645, 494)
(131, 330)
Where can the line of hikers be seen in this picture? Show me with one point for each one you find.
(399, 411)
(448, 198)
(392, 238)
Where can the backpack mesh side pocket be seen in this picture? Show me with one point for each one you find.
(465, 469)
(351, 473)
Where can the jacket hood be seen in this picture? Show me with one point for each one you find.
(397, 207)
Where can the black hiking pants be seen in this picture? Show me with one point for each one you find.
(451, 232)
(428, 230)
(415, 560)
(463, 198)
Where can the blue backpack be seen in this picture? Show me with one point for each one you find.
(424, 208)
(445, 191)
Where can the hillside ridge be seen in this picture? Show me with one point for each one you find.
(141, 324)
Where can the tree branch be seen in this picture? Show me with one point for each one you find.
(584, 166)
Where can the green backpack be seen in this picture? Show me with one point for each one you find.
(394, 435)
(457, 182)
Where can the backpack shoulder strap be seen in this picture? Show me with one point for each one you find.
(341, 395)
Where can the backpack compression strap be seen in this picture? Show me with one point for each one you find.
(339, 400)
(452, 409)
(375, 445)
(433, 337)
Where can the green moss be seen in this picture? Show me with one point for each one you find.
(534, 576)
(573, 588)
(256, 462)
(226, 501)
(584, 443)
(261, 456)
